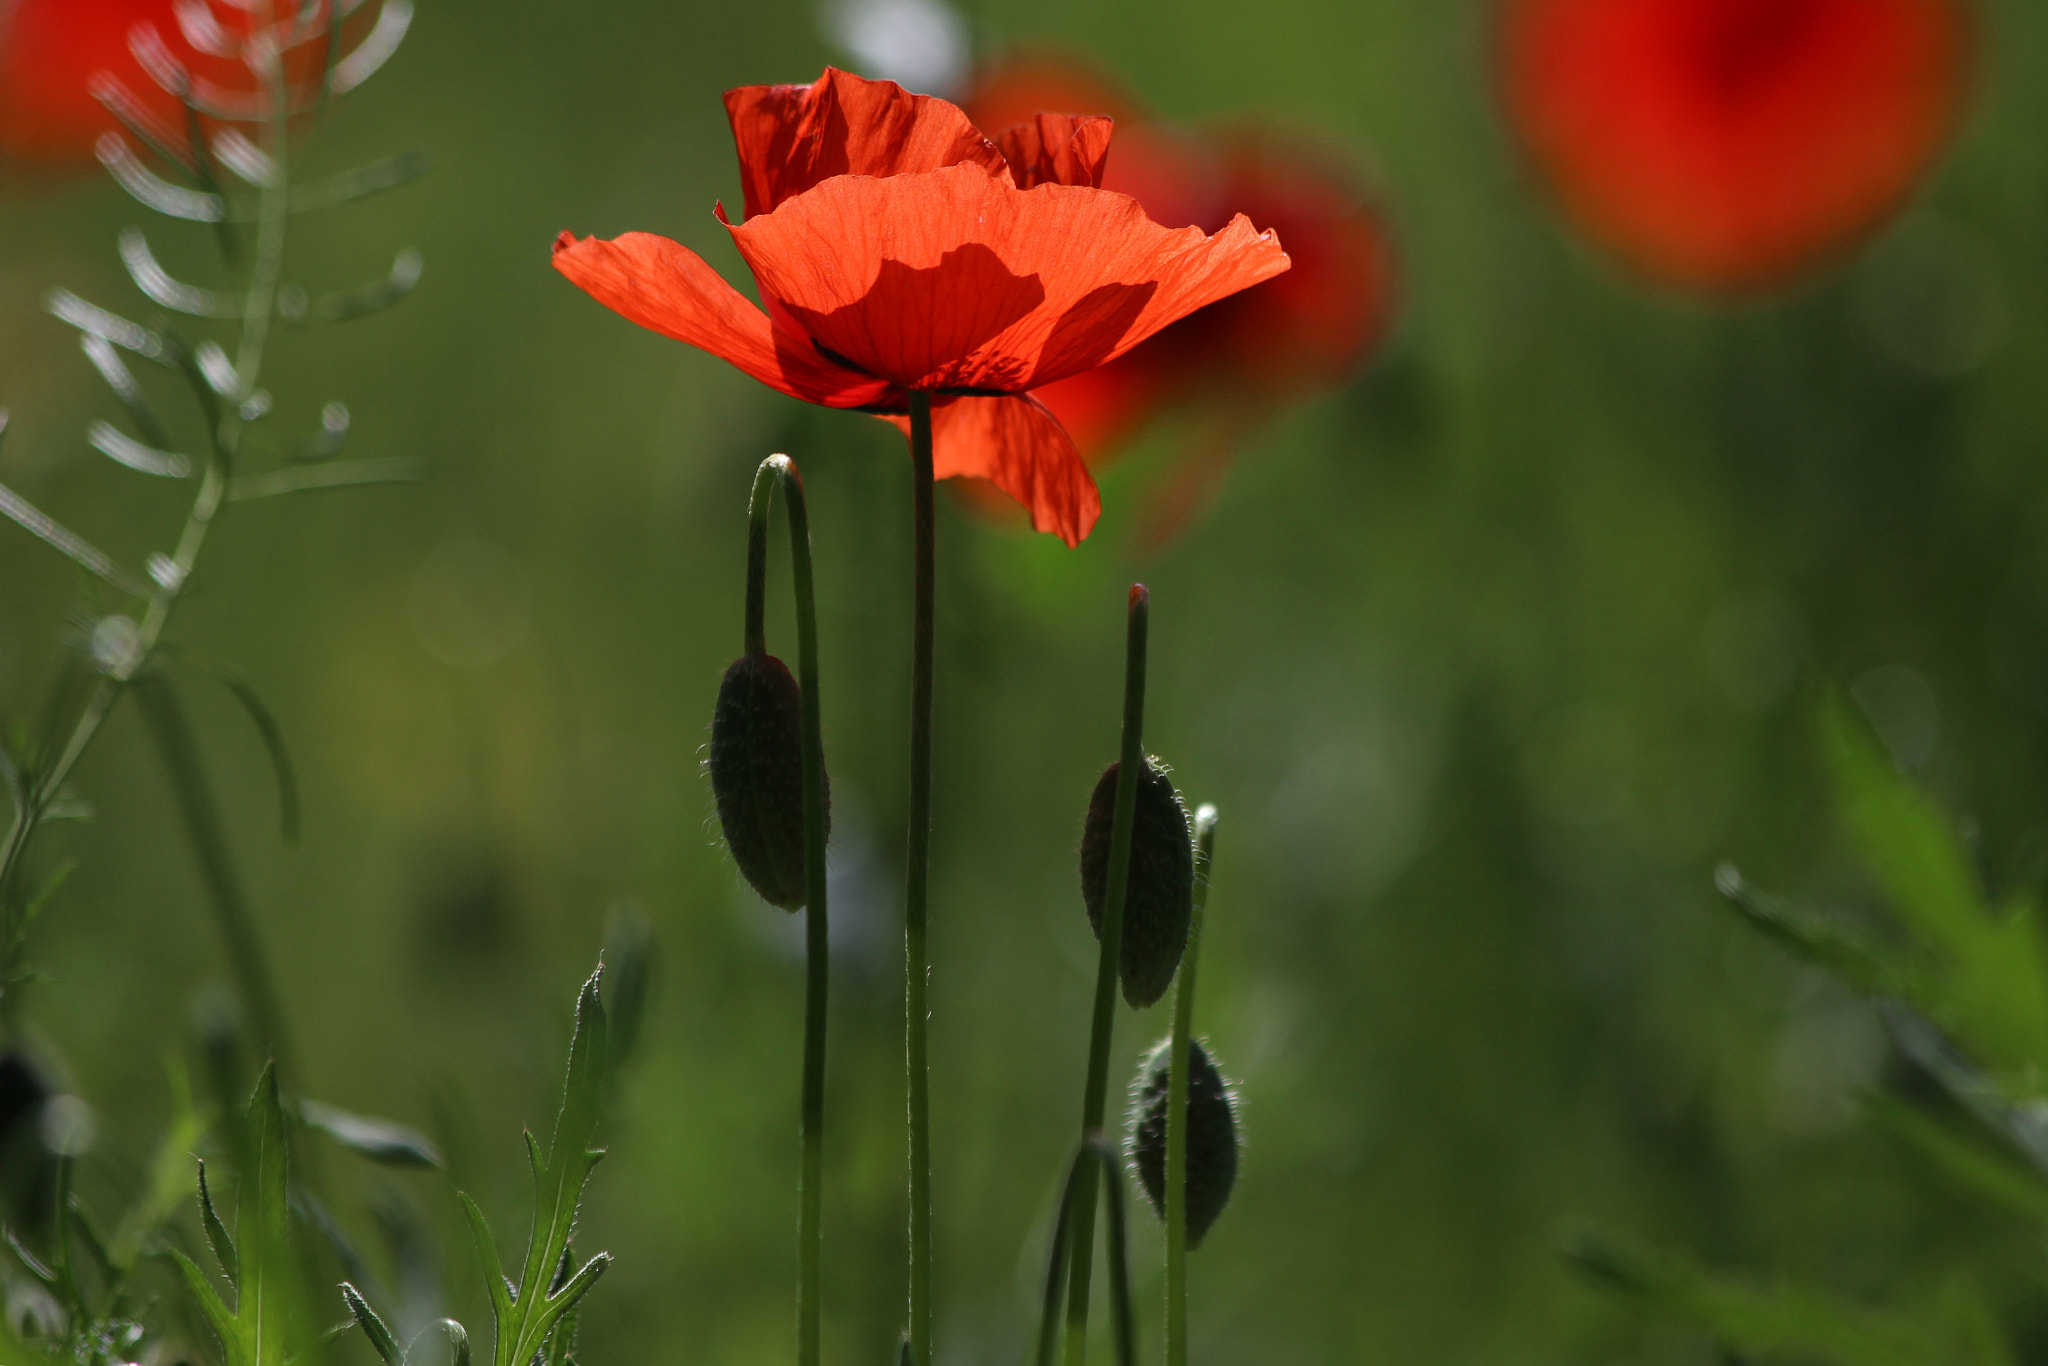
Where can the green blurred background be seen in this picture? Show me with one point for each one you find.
(1487, 658)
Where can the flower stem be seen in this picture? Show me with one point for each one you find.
(916, 952)
(1057, 1261)
(1177, 1103)
(817, 959)
(1094, 1096)
(1097, 1152)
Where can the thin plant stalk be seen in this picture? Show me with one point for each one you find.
(1177, 1102)
(1092, 1155)
(817, 958)
(1056, 1263)
(916, 882)
(1094, 1097)
(36, 796)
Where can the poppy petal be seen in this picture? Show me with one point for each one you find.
(790, 137)
(667, 288)
(1057, 149)
(1730, 145)
(954, 279)
(1019, 446)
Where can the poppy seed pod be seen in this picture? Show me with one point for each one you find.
(1160, 899)
(757, 776)
(1212, 1135)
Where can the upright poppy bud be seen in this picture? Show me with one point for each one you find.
(1212, 1134)
(757, 776)
(1160, 897)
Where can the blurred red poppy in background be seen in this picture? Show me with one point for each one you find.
(1730, 146)
(898, 251)
(63, 61)
(1240, 359)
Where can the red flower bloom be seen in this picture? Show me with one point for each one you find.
(58, 57)
(1729, 145)
(898, 251)
(1243, 356)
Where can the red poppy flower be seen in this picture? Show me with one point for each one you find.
(1729, 145)
(899, 251)
(1243, 356)
(58, 58)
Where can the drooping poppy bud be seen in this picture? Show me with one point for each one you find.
(1212, 1134)
(757, 776)
(1160, 898)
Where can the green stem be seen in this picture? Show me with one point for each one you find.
(1177, 1103)
(916, 952)
(259, 304)
(1094, 1096)
(1056, 1267)
(817, 958)
(201, 814)
(272, 209)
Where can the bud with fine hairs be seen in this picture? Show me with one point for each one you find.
(1212, 1134)
(757, 776)
(1160, 897)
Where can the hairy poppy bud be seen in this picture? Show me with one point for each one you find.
(757, 775)
(1160, 897)
(1212, 1135)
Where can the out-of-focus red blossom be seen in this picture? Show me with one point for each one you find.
(1730, 146)
(57, 55)
(1243, 356)
(899, 251)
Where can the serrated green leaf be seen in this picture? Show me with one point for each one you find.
(217, 1235)
(1989, 985)
(209, 1301)
(373, 1326)
(494, 1271)
(525, 1314)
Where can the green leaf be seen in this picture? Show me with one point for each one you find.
(264, 1227)
(495, 1281)
(267, 730)
(1979, 1169)
(1815, 938)
(361, 301)
(526, 1313)
(373, 1326)
(380, 1140)
(168, 726)
(170, 1181)
(29, 1261)
(1783, 1320)
(348, 474)
(217, 1235)
(209, 1301)
(1989, 986)
(364, 180)
(1123, 1321)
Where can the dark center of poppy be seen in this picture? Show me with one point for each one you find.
(1738, 49)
